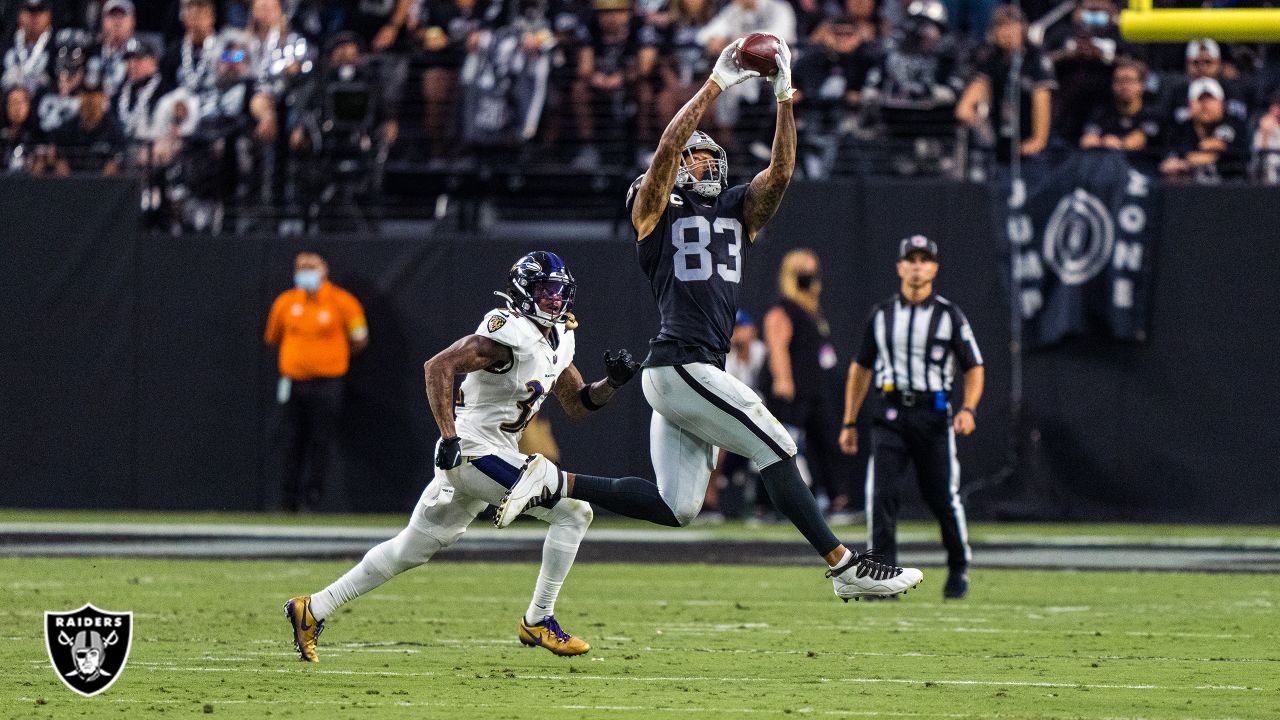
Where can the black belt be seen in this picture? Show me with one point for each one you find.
(931, 400)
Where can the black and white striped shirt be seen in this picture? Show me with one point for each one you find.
(917, 347)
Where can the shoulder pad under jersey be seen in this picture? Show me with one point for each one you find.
(510, 329)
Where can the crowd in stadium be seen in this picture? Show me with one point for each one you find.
(264, 98)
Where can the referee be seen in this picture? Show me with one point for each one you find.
(912, 345)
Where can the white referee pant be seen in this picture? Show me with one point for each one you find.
(697, 408)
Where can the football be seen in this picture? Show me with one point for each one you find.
(757, 53)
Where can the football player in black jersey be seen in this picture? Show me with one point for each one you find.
(693, 232)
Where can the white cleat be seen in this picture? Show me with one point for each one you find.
(541, 484)
(864, 576)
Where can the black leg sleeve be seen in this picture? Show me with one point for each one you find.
(630, 496)
(790, 496)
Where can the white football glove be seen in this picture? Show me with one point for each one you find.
(782, 79)
(726, 71)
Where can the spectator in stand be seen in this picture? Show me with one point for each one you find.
(175, 119)
(446, 29)
(168, 184)
(142, 89)
(609, 72)
(741, 17)
(989, 86)
(223, 158)
(21, 138)
(1083, 52)
(28, 53)
(236, 103)
(828, 79)
(1204, 60)
(1266, 144)
(866, 15)
(278, 53)
(343, 125)
(91, 142)
(917, 62)
(190, 62)
(378, 23)
(831, 73)
(108, 60)
(684, 61)
(1124, 123)
(1210, 144)
(62, 104)
(571, 22)
(737, 19)
(914, 86)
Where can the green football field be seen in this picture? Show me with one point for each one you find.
(669, 641)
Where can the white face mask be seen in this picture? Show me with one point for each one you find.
(308, 280)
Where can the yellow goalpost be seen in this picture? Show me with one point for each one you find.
(1146, 24)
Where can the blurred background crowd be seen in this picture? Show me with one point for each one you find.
(224, 105)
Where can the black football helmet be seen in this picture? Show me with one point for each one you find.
(538, 276)
(715, 173)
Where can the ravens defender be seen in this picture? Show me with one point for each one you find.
(519, 355)
(693, 233)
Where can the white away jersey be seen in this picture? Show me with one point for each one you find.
(494, 406)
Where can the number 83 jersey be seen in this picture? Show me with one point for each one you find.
(694, 261)
(495, 404)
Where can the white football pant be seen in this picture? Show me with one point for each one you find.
(697, 408)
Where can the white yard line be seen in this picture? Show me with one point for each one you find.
(336, 532)
(165, 667)
(375, 701)
(376, 534)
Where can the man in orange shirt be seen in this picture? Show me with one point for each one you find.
(317, 326)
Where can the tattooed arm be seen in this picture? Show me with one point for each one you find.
(655, 186)
(766, 189)
(467, 355)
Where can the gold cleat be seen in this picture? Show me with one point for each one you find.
(306, 629)
(548, 634)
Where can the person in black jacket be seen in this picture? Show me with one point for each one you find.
(1209, 144)
(798, 338)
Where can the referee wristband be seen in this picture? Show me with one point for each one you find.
(585, 396)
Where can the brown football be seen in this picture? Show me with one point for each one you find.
(757, 53)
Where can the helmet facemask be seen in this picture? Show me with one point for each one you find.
(714, 170)
(540, 276)
(544, 290)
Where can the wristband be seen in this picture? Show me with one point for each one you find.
(850, 426)
(971, 411)
(585, 396)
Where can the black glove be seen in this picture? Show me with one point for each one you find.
(620, 368)
(448, 454)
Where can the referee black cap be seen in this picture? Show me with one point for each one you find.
(917, 243)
